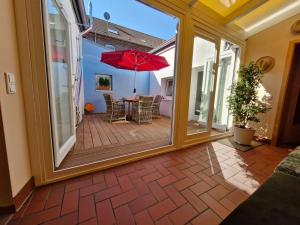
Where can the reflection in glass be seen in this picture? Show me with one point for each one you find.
(60, 72)
(228, 64)
(204, 54)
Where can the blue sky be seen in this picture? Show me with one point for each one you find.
(135, 15)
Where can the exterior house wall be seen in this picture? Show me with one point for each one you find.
(12, 106)
(158, 81)
(122, 80)
(271, 42)
(202, 53)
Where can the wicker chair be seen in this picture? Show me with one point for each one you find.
(142, 110)
(156, 106)
(115, 110)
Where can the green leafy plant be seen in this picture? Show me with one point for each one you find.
(104, 82)
(244, 103)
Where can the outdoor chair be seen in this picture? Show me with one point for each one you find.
(156, 106)
(115, 110)
(142, 110)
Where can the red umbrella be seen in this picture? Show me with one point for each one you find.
(134, 60)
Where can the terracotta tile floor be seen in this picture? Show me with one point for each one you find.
(199, 185)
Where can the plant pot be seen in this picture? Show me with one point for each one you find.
(243, 136)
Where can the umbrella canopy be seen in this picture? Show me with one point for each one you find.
(134, 60)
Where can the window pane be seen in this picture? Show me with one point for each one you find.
(204, 53)
(59, 67)
(228, 64)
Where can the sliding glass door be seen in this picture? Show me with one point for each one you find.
(208, 112)
(228, 65)
(201, 86)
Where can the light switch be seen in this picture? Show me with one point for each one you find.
(12, 88)
(10, 83)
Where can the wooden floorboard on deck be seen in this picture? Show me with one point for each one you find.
(98, 140)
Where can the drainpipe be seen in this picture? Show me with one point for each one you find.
(90, 28)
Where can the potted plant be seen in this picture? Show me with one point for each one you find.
(104, 83)
(244, 103)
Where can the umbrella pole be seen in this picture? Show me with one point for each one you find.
(134, 89)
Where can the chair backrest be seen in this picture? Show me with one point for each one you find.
(145, 101)
(108, 100)
(157, 99)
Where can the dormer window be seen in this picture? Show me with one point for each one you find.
(113, 31)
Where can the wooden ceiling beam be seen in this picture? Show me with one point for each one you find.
(193, 2)
(244, 10)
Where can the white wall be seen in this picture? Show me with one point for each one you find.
(158, 78)
(203, 52)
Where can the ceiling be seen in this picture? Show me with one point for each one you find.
(251, 15)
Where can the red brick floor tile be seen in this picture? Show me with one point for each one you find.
(164, 181)
(207, 179)
(89, 222)
(143, 218)
(176, 172)
(184, 183)
(70, 202)
(38, 200)
(92, 189)
(70, 219)
(176, 197)
(157, 191)
(237, 196)
(142, 203)
(98, 178)
(194, 200)
(228, 204)
(196, 168)
(183, 214)
(141, 187)
(152, 177)
(110, 179)
(191, 175)
(55, 197)
(124, 198)
(175, 188)
(207, 218)
(86, 208)
(105, 213)
(74, 185)
(125, 183)
(161, 209)
(107, 193)
(218, 192)
(200, 188)
(215, 205)
(124, 170)
(162, 170)
(164, 221)
(41, 217)
(124, 216)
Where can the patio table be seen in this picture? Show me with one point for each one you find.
(130, 100)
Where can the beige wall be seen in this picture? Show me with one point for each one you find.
(12, 105)
(271, 42)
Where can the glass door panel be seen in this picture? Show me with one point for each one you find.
(60, 81)
(228, 64)
(201, 87)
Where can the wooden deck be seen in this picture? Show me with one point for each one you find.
(98, 140)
